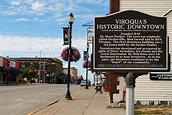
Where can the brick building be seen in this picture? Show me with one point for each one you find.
(46, 69)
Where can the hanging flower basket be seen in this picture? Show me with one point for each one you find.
(84, 64)
(75, 55)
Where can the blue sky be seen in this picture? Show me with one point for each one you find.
(28, 26)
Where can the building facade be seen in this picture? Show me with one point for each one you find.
(147, 90)
(73, 73)
(9, 69)
(46, 69)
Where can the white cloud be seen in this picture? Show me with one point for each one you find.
(53, 9)
(22, 19)
(15, 3)
(18, 44)
(37, 6)
(12, 45)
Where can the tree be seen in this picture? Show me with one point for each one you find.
(25, 74)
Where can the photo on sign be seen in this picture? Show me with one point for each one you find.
(12, 64)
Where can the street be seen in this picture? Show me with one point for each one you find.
(21, 100)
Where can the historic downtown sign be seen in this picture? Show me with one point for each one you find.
(130, 41)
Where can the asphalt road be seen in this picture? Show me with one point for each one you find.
(21, 100)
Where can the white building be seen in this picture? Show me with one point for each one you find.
(147, 90)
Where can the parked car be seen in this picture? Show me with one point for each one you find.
(83, 83)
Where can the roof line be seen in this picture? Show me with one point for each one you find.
(168, 12)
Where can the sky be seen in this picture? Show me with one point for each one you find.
(30, 26)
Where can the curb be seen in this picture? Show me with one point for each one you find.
(51, 103)
(74, 95)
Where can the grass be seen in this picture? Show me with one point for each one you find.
(152, 110)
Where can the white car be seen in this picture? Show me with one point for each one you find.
(83, 83)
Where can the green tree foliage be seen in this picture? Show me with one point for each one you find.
(25, 73)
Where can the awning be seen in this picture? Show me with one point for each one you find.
(1, 68)
(10, 70)
(15, 71)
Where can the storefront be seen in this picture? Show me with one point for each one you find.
(9, 69)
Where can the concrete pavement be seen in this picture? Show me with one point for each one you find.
(85, 102)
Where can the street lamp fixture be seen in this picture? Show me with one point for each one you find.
(71, 20)
(86, 86)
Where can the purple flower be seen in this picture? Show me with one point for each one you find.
(31, 71)
(6, 68)
(75, 55)
(85, 65)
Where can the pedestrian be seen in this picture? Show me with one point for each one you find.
(123, 92)
(99, 86)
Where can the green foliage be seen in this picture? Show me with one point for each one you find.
(25, 73)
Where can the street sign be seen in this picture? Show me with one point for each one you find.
(90, 35)
(161, 76)
(130, 41)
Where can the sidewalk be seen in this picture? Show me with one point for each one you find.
(85, 102)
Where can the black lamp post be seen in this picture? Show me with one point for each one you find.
(86, 86)
(71, 20)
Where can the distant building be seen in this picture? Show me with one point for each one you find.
(9, 69)
(46, 68)
(73, 73)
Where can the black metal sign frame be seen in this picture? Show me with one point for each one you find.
(130, 41)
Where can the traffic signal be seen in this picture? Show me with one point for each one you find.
(39, 73)
(8, 63)
(85, 55)
(100, 75)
